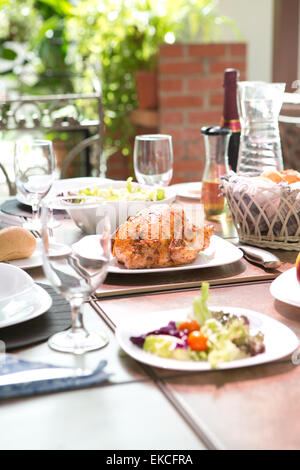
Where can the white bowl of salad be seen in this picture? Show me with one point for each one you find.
(121, 199)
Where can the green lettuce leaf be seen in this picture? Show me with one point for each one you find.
(161, 345)
(201, 311)
(127, 193)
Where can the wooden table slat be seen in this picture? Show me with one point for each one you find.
(246, 408)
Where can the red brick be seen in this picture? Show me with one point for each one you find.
(185, 101)
(178, 180)
(179, 150)
(189, 176)
(196, 149)
(204, 117)
(118, 174)
(171, 118)
(188, 165)
(177, 134)
(191, 133)
(216, 99)
(117, 164)
(238, 49)
(207, 50)
(220, 66)
(180, 68)
(204, 84)
(168, 84)
(171, 50)
(184, 134)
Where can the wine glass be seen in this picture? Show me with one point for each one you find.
(153, 159)
(79, 269)
(34, 165)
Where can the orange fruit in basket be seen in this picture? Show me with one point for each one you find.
(290, 176)
(298, 267)
(272, 175)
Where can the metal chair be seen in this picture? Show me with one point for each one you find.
(46, 113)
(10, 184)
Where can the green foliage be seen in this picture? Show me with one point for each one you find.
(16, 20)
(116, 38)
(107, 39)
(33, 46)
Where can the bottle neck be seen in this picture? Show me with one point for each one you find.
(230, 110)
(216, 150)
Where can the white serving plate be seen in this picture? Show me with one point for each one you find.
(218, 253)
(279, 340)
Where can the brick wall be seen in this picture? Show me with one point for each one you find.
(190, 95)
(190, 92)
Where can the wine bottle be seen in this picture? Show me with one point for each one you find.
(231, 116)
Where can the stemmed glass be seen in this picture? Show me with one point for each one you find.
(153, 159)
(80, 269)
(34, 165)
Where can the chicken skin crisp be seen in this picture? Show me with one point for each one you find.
(159, 236)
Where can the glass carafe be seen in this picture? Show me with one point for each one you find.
(259, 104)
(216, 141)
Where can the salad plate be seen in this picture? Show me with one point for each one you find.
(121, 199)
(279, 340)
(219, 252)
(36, 259)
(286, 288)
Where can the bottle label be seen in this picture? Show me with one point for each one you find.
(233, 124)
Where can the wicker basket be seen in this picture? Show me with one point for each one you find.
(265, 215)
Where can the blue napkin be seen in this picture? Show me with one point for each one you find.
(10, 364)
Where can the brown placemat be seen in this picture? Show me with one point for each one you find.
(56, 319)
(239, 272)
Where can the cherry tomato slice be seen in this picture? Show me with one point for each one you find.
(189, 325)
(197, 341)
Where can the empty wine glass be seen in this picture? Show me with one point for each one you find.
(79, 270)
(153, 159)
(34, 165)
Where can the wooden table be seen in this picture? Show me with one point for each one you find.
(141, 407)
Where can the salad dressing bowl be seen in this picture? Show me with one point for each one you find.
(120, 199)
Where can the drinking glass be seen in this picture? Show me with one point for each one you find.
(34, 165)
(80, 268)
(153, 159)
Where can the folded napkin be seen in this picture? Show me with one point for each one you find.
(10, 364)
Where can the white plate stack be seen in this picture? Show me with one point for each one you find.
(20, 298)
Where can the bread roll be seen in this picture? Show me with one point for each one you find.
(16, 243)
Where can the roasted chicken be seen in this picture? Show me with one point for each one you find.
(159, 236)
